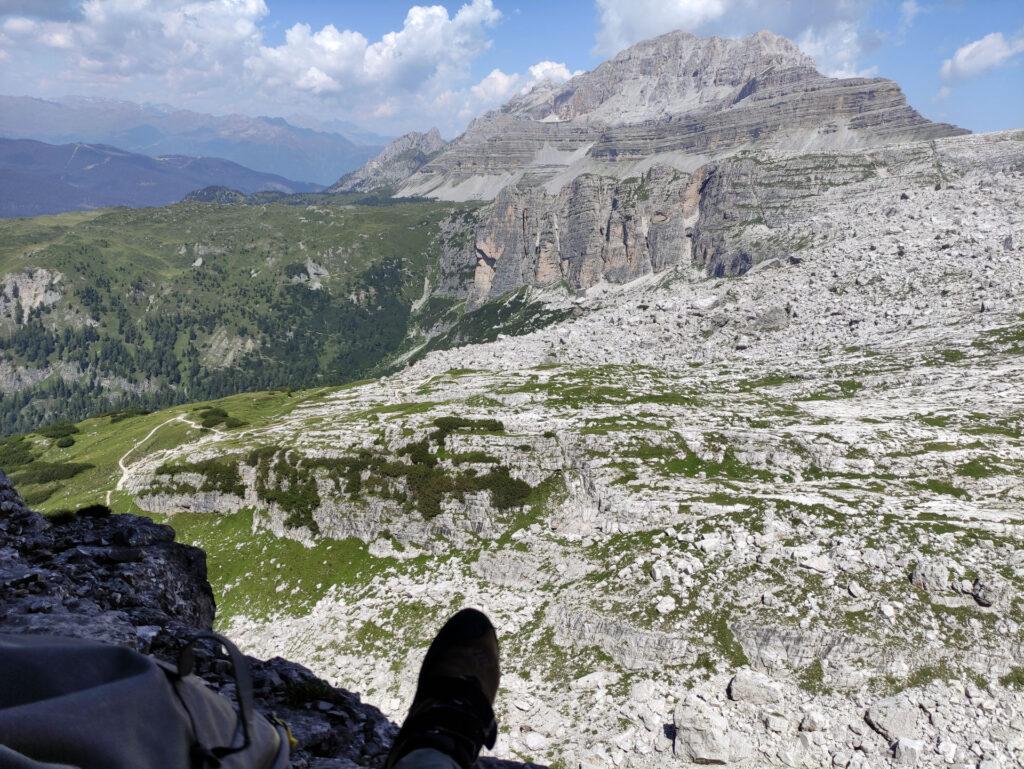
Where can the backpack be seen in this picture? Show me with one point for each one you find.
(67, 703)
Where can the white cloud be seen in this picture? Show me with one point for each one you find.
(909, 9)
(553, 71)
(19, 26)
(980, 56)
(431, 49)
(213, 53)
(497, 87)
(188, 43)
(624, 22)
(836, 50)
(57, 38)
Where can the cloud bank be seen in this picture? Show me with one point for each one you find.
(216, 52)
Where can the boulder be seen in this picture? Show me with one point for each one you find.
(813, 721)
(908, 752)
(753, 687)
(991, 590)
(930, 576)
(702, 734)
(894, 718)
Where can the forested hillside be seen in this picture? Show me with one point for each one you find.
(145, 308)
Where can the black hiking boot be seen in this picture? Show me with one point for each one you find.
(452, 711)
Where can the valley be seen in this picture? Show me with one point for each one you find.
(691, 501)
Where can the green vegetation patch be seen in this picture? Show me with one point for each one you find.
(219, 474)
(213, 416)
(980, 467)
(1007, 339)
(178, 328)
(289, 480)
(1013, 679)
(46, 472)
(445, 426)
(57, 430)
(942, 487)
(15, 451)
(812, 678)
(512, 315)
(246, 566)
(844, 388)
(769, 380)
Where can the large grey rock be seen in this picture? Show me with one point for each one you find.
(753, 687)
(702, 734)
(990, 589)
(895, 719)
(930, 576)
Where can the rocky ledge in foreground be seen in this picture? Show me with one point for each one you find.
(124, 580)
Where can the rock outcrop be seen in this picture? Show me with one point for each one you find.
(396, 162)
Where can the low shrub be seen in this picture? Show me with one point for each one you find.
(219, 475)
(448, 425)
(120, 416)
(34, 497)
(48, 472)
(15, 451)
(57, 430)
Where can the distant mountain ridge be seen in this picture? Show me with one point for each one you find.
(270, 145)
(395, 163)
(38, 178)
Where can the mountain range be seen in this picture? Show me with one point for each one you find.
(268, 144)
(38, 178)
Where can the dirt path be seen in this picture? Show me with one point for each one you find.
(122, 462)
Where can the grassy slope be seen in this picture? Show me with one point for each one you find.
(102, 442)
(244, 584)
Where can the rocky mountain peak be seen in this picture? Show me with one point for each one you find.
(677, 100)
(671, 74)
(395, 163)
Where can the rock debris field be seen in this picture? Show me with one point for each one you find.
(771, 520)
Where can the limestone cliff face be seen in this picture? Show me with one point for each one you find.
(723, 218)
(596, 228)
(396, 162)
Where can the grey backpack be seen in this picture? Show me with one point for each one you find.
(68, 703)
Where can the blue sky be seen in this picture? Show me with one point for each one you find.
(393, 66)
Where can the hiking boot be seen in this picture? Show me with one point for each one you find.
(452, 711)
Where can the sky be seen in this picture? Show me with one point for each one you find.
(394, 66)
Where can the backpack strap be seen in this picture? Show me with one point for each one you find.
(243, 687)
